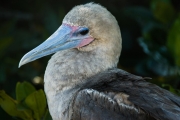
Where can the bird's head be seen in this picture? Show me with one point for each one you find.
(85, 28)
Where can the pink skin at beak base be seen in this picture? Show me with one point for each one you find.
(84, 41)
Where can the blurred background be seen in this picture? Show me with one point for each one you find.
(150, 31)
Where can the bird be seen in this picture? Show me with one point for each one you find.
(82, 81)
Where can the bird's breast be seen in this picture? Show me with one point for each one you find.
(64, 75)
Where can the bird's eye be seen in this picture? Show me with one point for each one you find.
(84, 31)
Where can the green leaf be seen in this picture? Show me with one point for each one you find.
(37, 102)
(10, 106)
(173, 41)
(23, 90)
(163, 10)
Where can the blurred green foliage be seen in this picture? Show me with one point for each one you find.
(29, 104)
(163, 10)
(173, 41)
(151, 45)
(160, 42)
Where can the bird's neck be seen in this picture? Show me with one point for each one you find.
(66, 70)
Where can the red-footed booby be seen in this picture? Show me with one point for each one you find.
(82, 81)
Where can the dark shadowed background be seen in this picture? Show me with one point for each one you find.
(150, 31)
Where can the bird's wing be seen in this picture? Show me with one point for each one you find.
(116, 94)
(158, 102)
(90, 104)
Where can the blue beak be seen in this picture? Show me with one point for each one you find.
(62, 39)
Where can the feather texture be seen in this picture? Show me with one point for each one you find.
(144, 99)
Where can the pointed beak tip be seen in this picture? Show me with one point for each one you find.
(56, 42)
(20, 64)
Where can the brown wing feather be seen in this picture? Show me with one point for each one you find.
(158, 102)
(90, 104)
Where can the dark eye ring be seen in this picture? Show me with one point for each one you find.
(84, 31)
